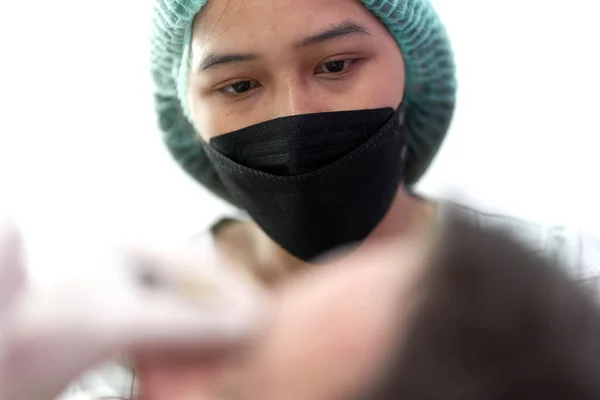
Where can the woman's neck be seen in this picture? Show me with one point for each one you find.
(408, 216)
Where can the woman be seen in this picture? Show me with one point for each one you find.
(316, 126)
(314, 117)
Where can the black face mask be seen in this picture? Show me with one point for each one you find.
(315, 182)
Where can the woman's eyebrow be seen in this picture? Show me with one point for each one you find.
(348, 27)
(338, 30)
(217, 59)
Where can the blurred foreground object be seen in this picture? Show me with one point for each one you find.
(144, 300)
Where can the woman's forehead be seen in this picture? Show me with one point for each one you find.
(244, 23)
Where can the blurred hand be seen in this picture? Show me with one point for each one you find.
(143, 300)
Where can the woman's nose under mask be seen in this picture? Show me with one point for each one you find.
(315, 182)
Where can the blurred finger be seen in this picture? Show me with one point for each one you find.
(12, 270)
(186, 298)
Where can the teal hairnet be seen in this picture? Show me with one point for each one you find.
(429, 93)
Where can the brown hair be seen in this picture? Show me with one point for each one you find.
(496, 322)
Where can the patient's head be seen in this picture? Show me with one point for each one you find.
(495, 321)
(482, 318)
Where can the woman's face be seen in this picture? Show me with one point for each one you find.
(252, 61)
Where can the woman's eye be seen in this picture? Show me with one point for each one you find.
(334, 67)
(239, 87)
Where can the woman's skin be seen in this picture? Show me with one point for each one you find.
(252, 61)
(246, 248)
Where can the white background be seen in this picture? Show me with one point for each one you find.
(80, 154)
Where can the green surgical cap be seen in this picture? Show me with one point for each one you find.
(429, 93)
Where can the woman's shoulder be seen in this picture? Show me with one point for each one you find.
(576, 249)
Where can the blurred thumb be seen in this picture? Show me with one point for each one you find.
(185, 298)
